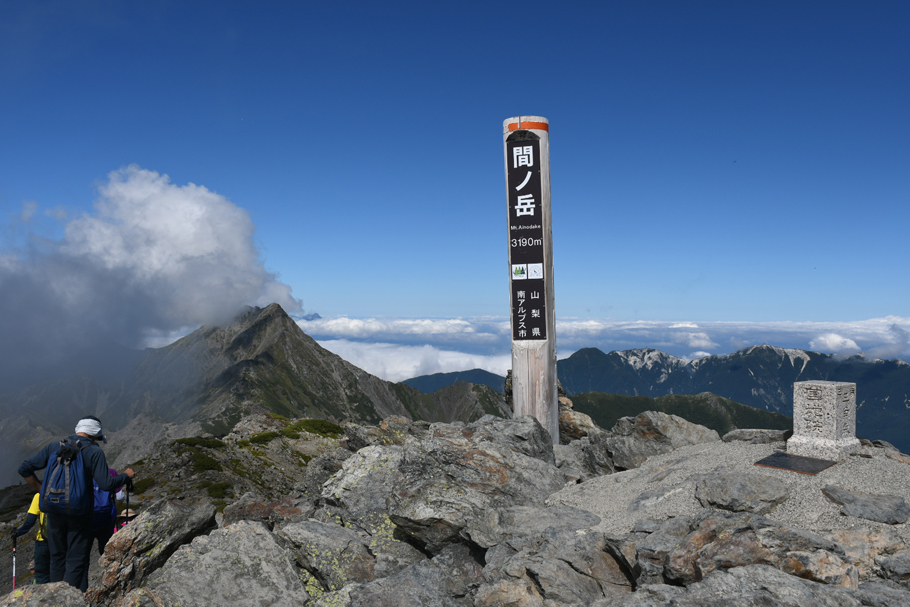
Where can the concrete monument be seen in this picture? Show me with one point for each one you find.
(824, 420)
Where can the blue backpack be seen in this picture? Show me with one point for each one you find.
(105, 508)
(63, 490)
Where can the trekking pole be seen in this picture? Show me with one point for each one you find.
(14, 560)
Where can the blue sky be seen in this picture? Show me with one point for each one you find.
(724, 173)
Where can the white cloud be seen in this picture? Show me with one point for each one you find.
(480, 331)
(151, 258)
(188, 247)
(897, 346)
(832, 342)
(697, 340)
(490, 338)
(395, 362)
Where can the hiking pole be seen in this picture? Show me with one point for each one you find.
(14, 560)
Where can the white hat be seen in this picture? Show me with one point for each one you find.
(91, 426)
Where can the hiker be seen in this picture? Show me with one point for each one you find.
(103, 519)
(42, 552)
(124, 518)
(70, 514)
(105, 512)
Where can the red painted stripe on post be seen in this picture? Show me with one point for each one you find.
(543, 126)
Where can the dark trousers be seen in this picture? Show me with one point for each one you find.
(102, 535)
(70, 542)
(42, 562)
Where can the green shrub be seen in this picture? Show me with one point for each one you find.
(202, 462)
(317, 426)
(219, 505)
(263, 437)
(288, 432)
(142, 485)
(219, 490)
(243, 443)
(209, 443)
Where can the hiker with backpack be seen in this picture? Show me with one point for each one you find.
(42, 552)
(67, 496)
(105, 512)
(103, 519)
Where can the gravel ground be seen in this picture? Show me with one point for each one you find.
(610, 496)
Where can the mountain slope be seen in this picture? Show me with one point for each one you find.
(261, 362)
(638, 372)
(431, 383)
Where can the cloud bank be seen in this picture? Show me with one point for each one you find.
(397, 349)
(152, 258)
(396, 362)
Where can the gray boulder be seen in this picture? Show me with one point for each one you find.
(333, 555)
(761, 586)
(723, 540)
(448, 580)
(585, 457)
(738, 492)
(319, 470)
(571, 462)
(143, 546)
(506, 524)
(558, 567)
(635, 439)
(58, 594)
(237, 566)
(462, 471)
(897, 567)
(251, 507)
(390, 431)
(546, 554)
(890, 509)
(573, 424)
(865, 547)
(747, 586)
(433, 486)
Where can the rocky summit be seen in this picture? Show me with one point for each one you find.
(655, 512)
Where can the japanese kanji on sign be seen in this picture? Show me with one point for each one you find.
(526, 250)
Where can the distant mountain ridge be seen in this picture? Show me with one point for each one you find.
(758, 376)
(430, 383)
(720, 414)
(261, 362)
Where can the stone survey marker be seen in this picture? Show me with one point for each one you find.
(824, 420)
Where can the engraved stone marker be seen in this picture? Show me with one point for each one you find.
(824, 419)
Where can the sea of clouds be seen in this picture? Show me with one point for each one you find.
(397, 349)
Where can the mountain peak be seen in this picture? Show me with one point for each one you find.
(648, 358)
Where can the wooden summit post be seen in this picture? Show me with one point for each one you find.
(526, 141)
